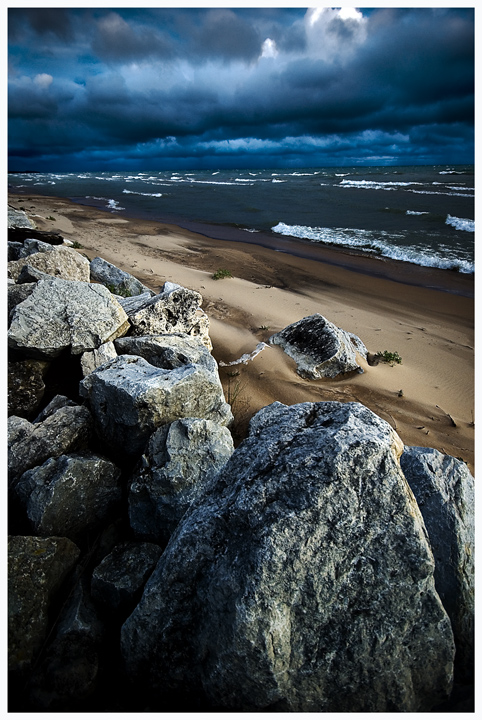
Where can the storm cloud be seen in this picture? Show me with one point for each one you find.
(154, 88)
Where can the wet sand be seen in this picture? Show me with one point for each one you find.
(426, 315)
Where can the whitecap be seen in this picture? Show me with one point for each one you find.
(460, 223)
(132, 192)
(417, 212)
(377, 243)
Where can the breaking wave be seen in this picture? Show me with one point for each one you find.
(460, 223)
(377, 243)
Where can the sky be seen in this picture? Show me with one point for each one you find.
(192, 88)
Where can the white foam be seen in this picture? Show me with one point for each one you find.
(377, 243)
(375, 185)
(460, 223)
(433, 192)
(132, 192)
(246, 357)
(417, 212)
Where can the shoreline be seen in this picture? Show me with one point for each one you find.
(432, 329)
(407, 273)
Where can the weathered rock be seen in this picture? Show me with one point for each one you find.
(57, 402)
(69, 670)
(132, 304)
(20, 234)
(67, 430)
(130, 398)
(17, 294)
(13, 252)
(29, 274)
(17, 429)
(173, 310)
(17, 219)
(26, 386)
(301, 580)
(116, 280)
(319, 348)
(444, 489)
(178, 460)
(60, 261)
(93, 359)
(62, 314)
(168, 351)
(34, 245)
(37, 567)
(70, 494)
(118, 581)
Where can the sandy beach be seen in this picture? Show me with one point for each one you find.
(425, 315)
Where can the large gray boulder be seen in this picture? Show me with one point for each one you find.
(37, 567)
(59, 261)
(92, 359)
(129, 399)
(168, 351)
(62, 314)
(19, 219)
(178, 460)
(17, 294)
(70, 495)
(319, 348)
(69, 669)
(67, 430)
(116, 280)
(26, 386)
(301, 580)
(445, 493)
(118, 581)
(174, 310)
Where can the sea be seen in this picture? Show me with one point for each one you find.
(422, 215)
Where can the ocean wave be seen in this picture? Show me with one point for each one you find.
(275, 180)
(460, 223)
(132, 192)
(434, 192)
(375, 185)
(417, 212)
(376, 243)
(451, 172)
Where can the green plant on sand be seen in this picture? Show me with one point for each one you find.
(121, 291)
(388, 357)
(219, 274)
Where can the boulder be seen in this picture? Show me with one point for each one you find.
(118, 581)
(26, 386)
(172, 310)
(62, 314)
(168, 351)
(13, 250)
(131, 304)
(300, 580)
(68, 430)
(17, 219)
(93, 359)
(116, 280)
(57, 402)
(129, 399)
(20, 234)
(37, 567)
(319, 348)
(34, 245)
(178, 460)
(445, 493)
(29, 274)
(60, 261)
(17, 294)
(70, 495)
(69, 671)
(18, 428)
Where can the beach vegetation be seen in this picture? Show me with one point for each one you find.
(50, 217)
(76, 245)
(386, 356)
(221, 273)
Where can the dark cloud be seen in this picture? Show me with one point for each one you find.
(239, 83)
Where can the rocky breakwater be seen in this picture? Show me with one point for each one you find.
(320, 566)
